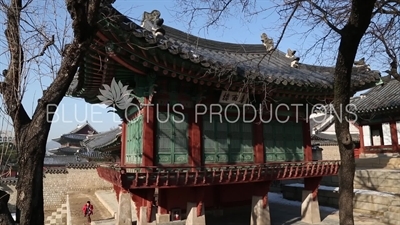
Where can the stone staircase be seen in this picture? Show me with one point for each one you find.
(59, 217)
(378, 193)
(376, 190)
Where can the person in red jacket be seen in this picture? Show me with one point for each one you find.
(88, 211)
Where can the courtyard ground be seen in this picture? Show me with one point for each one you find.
(78, 199)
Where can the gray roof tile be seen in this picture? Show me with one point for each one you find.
(237, 59)
(102, 139)
(379, 98)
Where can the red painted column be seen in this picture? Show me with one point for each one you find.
(123, 144)
(393, 132)
(307, 141)
(195, 136)
(162, 201)
(258, 141)
(117, 191)
(360, 130)
(262, 189)
(143, 198)
(148, 134)
(312, 184)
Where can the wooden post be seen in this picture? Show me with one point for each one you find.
(258, 142)
(393, 132)
(195, 136)
(123, 144)
(148, 134)
(307, 141)
(361, 132)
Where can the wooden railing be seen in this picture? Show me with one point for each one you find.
(150, 177)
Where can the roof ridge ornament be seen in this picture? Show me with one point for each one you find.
(362, 65)
(152, 22)
(290, 53)
(267, 42)
(295, 63)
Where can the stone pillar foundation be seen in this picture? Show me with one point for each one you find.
(259, 215)
(310, 208)
(124, 214)
(192, 218)
(163, 218)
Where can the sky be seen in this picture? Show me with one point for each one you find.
(236, 29)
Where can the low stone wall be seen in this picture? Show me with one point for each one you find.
(57, 182)
(330, 152)
(327, 196)
(378, 161)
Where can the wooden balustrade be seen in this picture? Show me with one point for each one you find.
(164, 177)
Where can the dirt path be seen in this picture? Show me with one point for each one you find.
(78, 199)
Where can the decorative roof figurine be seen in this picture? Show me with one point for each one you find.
(290, 54)
(152, 22)
(267, 42)
(362, 65)
(295, 62)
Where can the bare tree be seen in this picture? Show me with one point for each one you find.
(29, 47)
(371, 25)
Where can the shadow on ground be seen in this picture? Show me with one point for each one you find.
(280, 215)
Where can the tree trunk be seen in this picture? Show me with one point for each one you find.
(5, 215)
(30, 188)
(351, 35)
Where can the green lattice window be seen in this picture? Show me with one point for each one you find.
(283, 141)
(172, 138)
(134, 146)
(226, 142)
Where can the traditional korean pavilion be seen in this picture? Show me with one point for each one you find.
(72, 142)
(102, 147)
(198, 163)
(379, 119)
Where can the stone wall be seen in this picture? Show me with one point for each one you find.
(330, 152)
(58, 182)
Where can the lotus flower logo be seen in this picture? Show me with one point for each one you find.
(116, 95)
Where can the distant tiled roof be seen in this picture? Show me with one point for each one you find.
(59, 160)
(326, 140)
(65, 150)
(380, 98)
(100, 140)
(77, 137)
(87, 165)
(80, 127)
(242, 60)
(9, 180)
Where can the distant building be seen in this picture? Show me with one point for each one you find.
(72, 141)
(6, 136)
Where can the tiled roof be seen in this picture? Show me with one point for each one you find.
(380, 98)
(9, 180)
(55, 170)
(330, 139)
(102, 139)
(243, 60)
